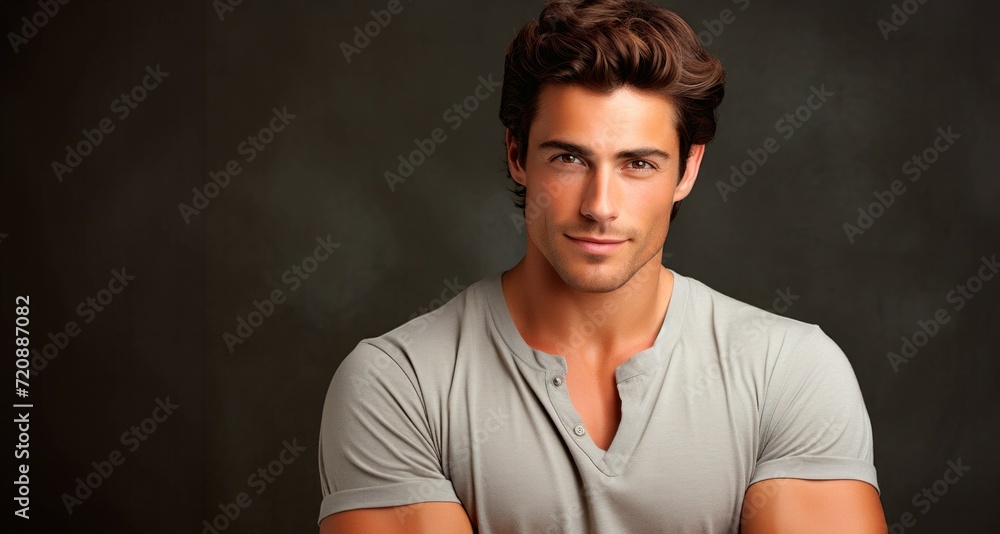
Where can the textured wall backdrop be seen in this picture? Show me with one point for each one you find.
(195, 198)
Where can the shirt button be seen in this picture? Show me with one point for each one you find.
(557, 381)
(579, 430)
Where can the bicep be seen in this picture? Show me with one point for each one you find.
(814, 422)
(780, 505)
(420, 518)
(377, 448)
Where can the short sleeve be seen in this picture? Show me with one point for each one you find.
(375, 446)
(814, 424)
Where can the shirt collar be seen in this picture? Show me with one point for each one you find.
(639, 363)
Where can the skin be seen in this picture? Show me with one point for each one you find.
(420, 518)
(592, 189)
(557, 286)
(595, 191)
(790, 505)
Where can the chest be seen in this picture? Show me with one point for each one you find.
(564, 450)
(595, 398)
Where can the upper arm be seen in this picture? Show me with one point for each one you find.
(420, 518)
(781, 505)
(378, 448)
(814, 422)
(815, 469)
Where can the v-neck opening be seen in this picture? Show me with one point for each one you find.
(632, 377)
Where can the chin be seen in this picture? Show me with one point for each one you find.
(594, 278)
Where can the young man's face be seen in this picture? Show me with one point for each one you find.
(603, 167)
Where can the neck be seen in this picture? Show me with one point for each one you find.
(601, 330)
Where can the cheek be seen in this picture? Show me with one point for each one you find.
(654, 198)
(543, 205)
(556, 193)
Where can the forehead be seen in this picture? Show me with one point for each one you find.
(624, 117)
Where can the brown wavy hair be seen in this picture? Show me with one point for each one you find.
(604, 45)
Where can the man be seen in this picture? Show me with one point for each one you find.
(589, 388)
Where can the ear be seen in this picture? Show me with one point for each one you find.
(513, 153)
(686, 183)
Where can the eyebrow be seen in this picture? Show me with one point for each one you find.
(584, 151)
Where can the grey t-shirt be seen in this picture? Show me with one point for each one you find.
(455, 406)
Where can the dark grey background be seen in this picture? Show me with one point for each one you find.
(323, 176)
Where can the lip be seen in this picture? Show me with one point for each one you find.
(597, 239)
(597, 245)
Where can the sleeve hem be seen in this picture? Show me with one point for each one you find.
(399, 494)
(817, 468)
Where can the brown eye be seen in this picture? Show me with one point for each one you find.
(645, 165)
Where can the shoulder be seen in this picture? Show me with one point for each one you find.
(743, 327)
(780, 352)
(429, 341)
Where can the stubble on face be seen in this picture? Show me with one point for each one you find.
(597, 273)
(601, 274)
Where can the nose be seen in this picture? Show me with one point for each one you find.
(602, 197)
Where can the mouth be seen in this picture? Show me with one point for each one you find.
(597, 245)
